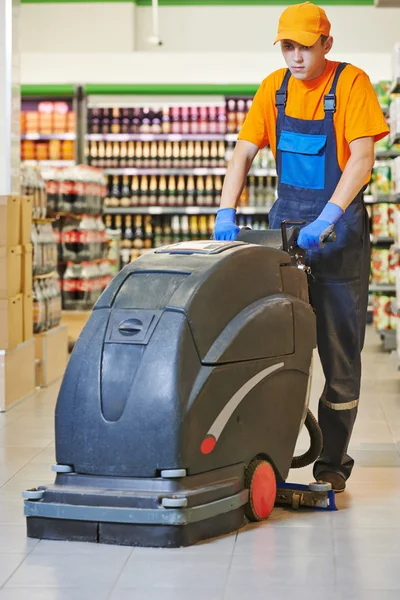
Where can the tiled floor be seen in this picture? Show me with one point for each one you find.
(353, 554)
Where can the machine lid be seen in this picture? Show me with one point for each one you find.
(199, 247)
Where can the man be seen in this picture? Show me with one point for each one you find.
(321, 119)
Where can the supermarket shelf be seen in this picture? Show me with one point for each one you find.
(231, 137)
(45, 276)
(385, 154)
(49, 163)
(381, 240)
(181, 210)
(45, 137)
(387, 288)
(185, 171)
(381, 198)
(152, 137)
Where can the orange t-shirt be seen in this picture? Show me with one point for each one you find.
(357, 115)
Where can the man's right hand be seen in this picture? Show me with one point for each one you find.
(225, 226)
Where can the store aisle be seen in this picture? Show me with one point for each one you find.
(353, 554)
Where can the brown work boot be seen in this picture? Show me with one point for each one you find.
(336, 480)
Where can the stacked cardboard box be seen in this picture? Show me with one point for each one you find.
(17, 347)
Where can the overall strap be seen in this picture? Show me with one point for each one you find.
(281, 94)
(330, 99)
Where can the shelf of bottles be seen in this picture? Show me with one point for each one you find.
(48, 132)
(75, 198)
(383, 205)
(166, 165)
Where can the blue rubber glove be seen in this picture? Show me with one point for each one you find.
(225, 226)
(313, 235)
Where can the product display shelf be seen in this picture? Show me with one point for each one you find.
(180, 210)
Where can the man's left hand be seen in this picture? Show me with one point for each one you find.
(314, 234)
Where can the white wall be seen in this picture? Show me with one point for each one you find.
(68, 43)
(76, 27)
(253, 28)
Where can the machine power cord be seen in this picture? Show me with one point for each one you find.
(316, 443)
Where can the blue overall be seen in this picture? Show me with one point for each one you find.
(308, 173)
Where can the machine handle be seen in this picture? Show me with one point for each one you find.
(290, 223)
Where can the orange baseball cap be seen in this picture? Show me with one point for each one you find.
(303, 23)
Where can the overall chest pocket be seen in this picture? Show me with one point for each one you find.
(303, 160)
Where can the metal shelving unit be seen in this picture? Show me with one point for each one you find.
(180, 210)
(42, 137)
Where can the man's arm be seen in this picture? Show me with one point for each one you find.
(236, 174)
(356, 172)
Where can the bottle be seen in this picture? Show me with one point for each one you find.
(269, 194)
(214, 155)
(176, 120)
(168, 155)
(241, 113)
(131, 154)
(198, 153)
(244, 197)
(116, 120)
(193, 228)
(101, 154)
(172, 199)
(115, 194)
(158, 233)
(105, 123)
(167, 232)
(37, 250)
(166, 120)
(153, 191)
(144, 191)
(252, 191)
(211, 225)
(146, 155)
(221, 111)
(125, 192)
(162, 191)
(176, 154)
(217, 190)
(209, 191)
(221, 154)
(109, 155)
(123, 155)
(183, 155)
(128, 233)
(190, 155)
(203, 119)
(190, 191)
(206, 155)
(194, 120)
(93, 154)
(203, 229)
(69, 290)
(135, 191)
(153, 155)
(138, 235)
(180, 197)
(94, 120)
(176, 230)
(139, 155)
(260, 197)
(156, 119)
(231, 116)
(161, 154)
(126, 120)
(146, 120)
(148, 233)
(200, 192)
(185, 236)
(212, 119)
(185, 120)
(136, 120)
(116, 153)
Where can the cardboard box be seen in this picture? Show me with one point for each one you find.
(52, 351)
(27, 307)
(17, 374)
(75, 320)
(26, 268)
(26, 219)
(10, 216)
(10, 271)
(11, 322)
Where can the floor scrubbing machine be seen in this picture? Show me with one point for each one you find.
(182, 402)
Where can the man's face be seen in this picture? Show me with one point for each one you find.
(305, 62)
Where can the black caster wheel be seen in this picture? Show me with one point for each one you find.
(260, 480)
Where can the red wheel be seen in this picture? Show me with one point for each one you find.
(261, 482)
